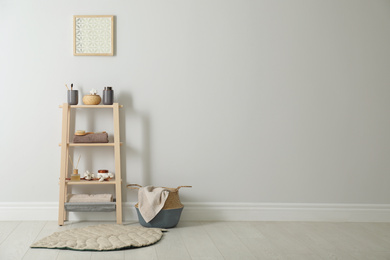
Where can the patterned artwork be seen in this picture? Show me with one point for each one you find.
(93, 35)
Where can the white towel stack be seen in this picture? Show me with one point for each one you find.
(77, 198)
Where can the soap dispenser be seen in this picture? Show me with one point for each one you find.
(108, 96)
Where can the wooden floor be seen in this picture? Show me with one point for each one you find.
(218, 240)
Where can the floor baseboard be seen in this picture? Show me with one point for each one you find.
(11, 211)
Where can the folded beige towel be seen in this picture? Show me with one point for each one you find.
(91, 138)
(151, 200)
(89, 198)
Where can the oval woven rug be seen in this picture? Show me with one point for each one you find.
(104, 237)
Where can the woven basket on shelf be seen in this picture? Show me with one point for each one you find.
(92, 99)
(169, 215)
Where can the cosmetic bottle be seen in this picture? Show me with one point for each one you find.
(108, 96)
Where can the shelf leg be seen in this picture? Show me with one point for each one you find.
(118, 176)
(64, 162)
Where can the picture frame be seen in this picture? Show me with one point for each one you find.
(93, 35)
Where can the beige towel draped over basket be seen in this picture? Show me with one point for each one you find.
(173, 200)
(170, 213)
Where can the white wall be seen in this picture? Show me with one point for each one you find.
(248, 101)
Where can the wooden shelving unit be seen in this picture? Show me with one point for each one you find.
(65, 145)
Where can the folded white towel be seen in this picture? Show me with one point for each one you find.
(151, 200)
(90, 198)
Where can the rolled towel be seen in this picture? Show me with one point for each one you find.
(90, 198)
(91, 138)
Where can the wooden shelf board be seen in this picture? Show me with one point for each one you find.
(92, 144)
(91, 106)
(84, 182)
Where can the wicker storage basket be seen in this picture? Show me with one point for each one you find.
(92, 99)
(169, 215)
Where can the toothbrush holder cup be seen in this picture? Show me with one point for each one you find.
(73, 97)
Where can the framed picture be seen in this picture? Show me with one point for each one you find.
(93, 35)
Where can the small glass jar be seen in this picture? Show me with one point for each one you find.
(75, 176)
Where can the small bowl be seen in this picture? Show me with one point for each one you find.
(91, 100)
